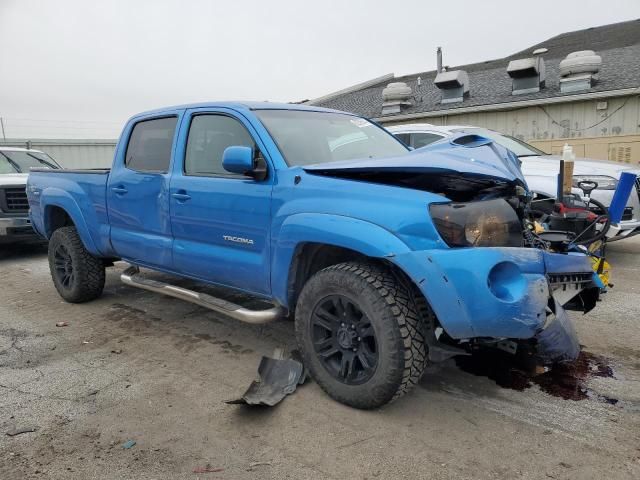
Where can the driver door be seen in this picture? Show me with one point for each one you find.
(220, 221)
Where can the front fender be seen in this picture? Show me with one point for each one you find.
(364, 237)
(56, 197)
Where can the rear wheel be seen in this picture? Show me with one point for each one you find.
(360, 333)
(77, 275)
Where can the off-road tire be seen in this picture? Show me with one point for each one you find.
(89, 272)
(400, 332)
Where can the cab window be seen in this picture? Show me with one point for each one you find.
(209, 136)
(150, 143)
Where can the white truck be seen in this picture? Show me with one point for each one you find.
(15, 163)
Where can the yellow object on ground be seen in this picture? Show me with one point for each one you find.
(602, 268)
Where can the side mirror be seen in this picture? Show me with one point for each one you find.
(238, 160)
(245, 161)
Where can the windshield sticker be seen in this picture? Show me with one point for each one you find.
(360, 122)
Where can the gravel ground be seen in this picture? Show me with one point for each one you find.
(138, 366)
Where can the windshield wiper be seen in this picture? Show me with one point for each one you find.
(13, 164)
(529, 155)
(44, 162)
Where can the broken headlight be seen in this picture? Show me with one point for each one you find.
(486, 223)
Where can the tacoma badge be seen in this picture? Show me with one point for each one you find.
(229, 238)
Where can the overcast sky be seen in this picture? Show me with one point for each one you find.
(78, 68)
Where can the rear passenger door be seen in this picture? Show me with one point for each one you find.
(220, 221)
(138, 192)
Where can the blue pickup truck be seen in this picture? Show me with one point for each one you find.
(386, 258)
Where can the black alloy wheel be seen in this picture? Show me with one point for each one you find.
(63, 266)
(77, 275)
(344, 340)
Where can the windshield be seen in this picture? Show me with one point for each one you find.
(16, 161)
(518, 147)
(305, 138)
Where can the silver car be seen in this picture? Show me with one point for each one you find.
(540, 169)
(14, 208)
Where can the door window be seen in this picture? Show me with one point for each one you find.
(422, 139)
(209, 136)
(149, 148)
(404, 138)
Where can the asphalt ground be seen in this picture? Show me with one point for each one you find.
(138, 366)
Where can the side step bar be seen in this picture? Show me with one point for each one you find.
(131, 276)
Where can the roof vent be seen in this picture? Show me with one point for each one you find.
(454, 85)
(528, 75)
(395, 96)
(579, 71)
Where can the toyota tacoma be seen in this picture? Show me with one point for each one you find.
(385, 258)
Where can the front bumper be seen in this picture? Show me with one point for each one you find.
(495, 292)
(558, 342)
(15, 228)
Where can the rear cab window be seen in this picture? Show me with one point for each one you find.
(150, 145)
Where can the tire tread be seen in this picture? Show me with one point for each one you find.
(90, 270)
(409, 318)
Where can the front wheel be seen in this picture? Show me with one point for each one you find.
(360, 334)
(77, 275)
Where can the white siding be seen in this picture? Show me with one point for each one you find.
(73, 153)
(561, 121)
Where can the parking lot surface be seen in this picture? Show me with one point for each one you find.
(136, 366)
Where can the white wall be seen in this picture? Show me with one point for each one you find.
(72, 153)
(614, 116)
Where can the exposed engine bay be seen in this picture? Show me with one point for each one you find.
(456, 186)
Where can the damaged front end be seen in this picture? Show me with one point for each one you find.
(569, 290)
(497, 284)
(504, 297)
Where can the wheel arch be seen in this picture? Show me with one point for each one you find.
(308, 243)
(60, 210)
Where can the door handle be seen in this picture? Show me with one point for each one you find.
(181, 196)
(119, 190)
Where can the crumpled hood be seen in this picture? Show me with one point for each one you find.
(481, 158)
(11, 179)
(549, 166)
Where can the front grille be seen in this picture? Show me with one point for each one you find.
(638, 187)
(15, 200)
(564, 279)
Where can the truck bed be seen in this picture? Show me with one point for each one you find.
(71, 170)
(81, 193)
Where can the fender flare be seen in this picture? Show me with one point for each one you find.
(359, 235)
(56, 197)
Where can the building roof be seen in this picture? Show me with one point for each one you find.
(618, 44)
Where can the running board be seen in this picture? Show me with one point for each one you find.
(131, 276)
